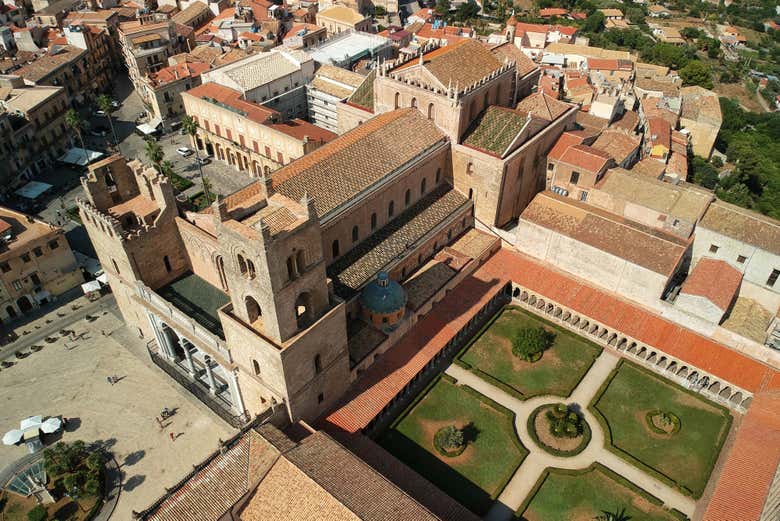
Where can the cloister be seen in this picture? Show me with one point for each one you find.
(657, 360)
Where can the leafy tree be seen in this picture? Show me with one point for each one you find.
(697, 73)
(77, 124)
(38, 513)
(529, 342)
(154, 153)
(691, 33)
(635, 15)
(443, 7)
(105, 104)
(466, 11)
(704, 174)
(190, 127)
(451, 437)
(166, 168)
(95, 461)
(593, 23)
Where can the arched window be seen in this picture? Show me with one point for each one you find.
(167, 263)
(335, 248)
(241, 264)
(221, 272)
(397, 100)
(414, 103)
(355, 233)
(255, 367)
(300, 262)
(422, 185)
(431, 111)
(438, 175)
(250, 269)
(253, 312)
(407, 197)
(470, 169)
(373, 221)
(391, 209)
(303, 311)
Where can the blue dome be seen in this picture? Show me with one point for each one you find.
(383, 295)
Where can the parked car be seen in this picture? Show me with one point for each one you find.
(115, 104)
(98, 132)
(204, 160)
(184, 151)
(99, 112)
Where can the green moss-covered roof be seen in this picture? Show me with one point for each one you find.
(364, 95)
(495, 130)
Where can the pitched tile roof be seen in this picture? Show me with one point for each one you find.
(364, 95)
(228, 97)
(215, 487)
(607, 64)
(541, 105)
(683, 201)
(352, 482)
(743, 225)
(652, 249)
(701, 105)
(354, 269)
(617, 144)
(259, 68)
(340, 170)
(387, 377)
(495, 129)
(743, 485)
(463, 63)
(177, 72)
(192, 12)
(342, 13)
(715, 280)
(586, 158)
(566, 140)
(523, 63)
(628, 121)
(649, 167)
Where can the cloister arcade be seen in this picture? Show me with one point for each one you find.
(655, 359)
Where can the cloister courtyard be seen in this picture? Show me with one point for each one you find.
(565, 432)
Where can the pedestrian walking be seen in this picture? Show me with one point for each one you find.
(110, 380)
(173, 438)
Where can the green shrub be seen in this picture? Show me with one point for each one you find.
(449, 441)
(529, 343)
(38, 514)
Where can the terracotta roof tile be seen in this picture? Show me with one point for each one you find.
(338, 171)
(743, 225)
(566, 140)
(382, 381)
(541, 105)
(586, 158)
(652, 249)
(715, 280)
(745, 481)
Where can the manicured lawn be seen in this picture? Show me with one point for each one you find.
(686, 457)
(558, 371)
(582, 495)
(477, 476)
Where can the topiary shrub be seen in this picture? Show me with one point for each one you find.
(38, 513)
(564, 424)
(530, 342)
(449, 441)
(662, 422)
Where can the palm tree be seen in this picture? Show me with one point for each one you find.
(76, 123)
(105, 104)
(154, 153)
(190, 127)
(617, 515)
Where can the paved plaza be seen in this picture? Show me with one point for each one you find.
(69, 379)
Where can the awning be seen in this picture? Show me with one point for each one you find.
(103, 278)
(80, 156)
(32, 190)
(89, 287)
(151, 127)
(41, 295)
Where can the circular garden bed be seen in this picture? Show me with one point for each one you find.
(449, 441)
(559, 430)
(662, 422)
